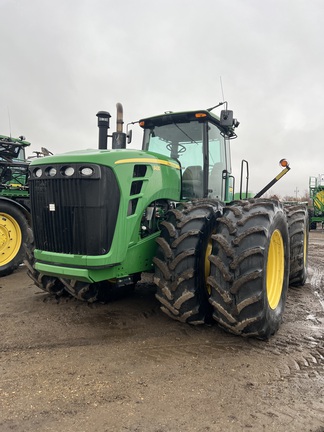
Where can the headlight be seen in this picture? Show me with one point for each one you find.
(68, 171)
(38, 172)
(51, 171)
(86, 171)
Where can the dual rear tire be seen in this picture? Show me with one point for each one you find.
(250, 268)
(298, 225)
(182, 262)
(230, 263)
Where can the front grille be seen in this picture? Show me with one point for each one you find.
(77, 214)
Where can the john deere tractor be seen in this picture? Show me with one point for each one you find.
(102, 217)
(14, 202)
(316, 194)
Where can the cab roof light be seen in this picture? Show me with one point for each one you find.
(200, 115)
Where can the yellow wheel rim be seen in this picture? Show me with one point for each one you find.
(10, 238)
(275, 269)
(207, 264)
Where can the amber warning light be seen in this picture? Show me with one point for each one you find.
(284, 163)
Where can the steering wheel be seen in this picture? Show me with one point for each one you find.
(181, 148)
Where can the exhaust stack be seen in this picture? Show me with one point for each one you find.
(119, 137)
(103, 125)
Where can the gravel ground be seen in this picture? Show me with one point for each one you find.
(125, 366)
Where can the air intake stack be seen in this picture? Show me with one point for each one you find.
(103, 125)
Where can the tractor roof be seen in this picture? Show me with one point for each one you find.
(170, 117)
(14, 141)
(10, 147)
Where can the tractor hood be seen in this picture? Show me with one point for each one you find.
(110, 158)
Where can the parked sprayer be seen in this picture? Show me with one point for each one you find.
(102, 217)
(14, 201)
(316, 194)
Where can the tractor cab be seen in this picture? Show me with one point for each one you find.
(13, 166)
(13, 149)
(199, 141)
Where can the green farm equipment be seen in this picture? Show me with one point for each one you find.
(102, 217)
(316, 194)
(14, 202)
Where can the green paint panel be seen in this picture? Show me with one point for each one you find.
(142, 177)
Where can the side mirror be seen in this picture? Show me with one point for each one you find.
(226, 118)
(129, 136)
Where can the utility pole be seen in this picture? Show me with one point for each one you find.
(296, 191)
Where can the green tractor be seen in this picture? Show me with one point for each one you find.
(316, 194)
(102, 217)
(14, 202)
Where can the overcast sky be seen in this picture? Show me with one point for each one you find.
(63, 61)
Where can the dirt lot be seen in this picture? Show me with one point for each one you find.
(124, 366)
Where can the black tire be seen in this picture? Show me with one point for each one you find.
(250, 268)
(104, 291)
(84, 291)
(312, 225)
(298, 226)
(180, 273)
(13, 235)
(49, 284)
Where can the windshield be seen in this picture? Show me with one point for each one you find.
(12, 152)
(185, 142)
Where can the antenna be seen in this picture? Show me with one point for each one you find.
(9, 120)
(220, 103)
(221, 84)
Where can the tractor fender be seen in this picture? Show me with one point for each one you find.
(21, 207)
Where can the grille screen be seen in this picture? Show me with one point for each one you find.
(75, 215)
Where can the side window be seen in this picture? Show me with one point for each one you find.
(217, 162)
(183, 142)
(21, 155)
(192, 170)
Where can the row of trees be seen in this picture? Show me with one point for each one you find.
(303, 198)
